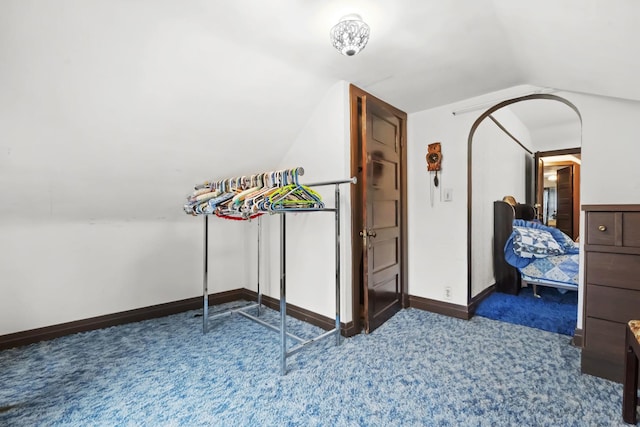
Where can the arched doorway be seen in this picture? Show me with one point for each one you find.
(477, 255)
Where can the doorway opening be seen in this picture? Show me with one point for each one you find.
(527, 180)
(558, 189)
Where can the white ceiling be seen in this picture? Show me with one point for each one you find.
(274, 58)
(423, 54)
(120, 83)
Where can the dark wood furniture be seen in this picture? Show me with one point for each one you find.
(630, 392)
(507, 277)
(612, 286)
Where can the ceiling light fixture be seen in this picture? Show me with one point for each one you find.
(350, 35)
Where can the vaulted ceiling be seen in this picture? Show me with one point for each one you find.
(103, 78)
(427, 53)
(273, 58)
(421, 54)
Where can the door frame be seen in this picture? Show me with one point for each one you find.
(541, 155)
(357, 102)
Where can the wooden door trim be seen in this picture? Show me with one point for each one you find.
(564, 151)
(577, 172)
(355, 105)
(357, 97)
(559, 163)
(538, 164)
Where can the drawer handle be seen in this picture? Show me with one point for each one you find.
(602, 227)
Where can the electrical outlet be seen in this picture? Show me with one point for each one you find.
(447, 293)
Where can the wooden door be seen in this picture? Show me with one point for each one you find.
(564, 216)
(382, 213)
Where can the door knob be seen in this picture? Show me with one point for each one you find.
(367, 233)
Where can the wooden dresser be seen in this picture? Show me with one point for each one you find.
(612, 291)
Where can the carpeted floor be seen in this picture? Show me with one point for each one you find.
(553, 311)
(418, 369)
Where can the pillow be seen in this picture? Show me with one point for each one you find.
(568, 245)
(534, 243)
(512, 258)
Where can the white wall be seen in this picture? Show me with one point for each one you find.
(102, 136)
(56, 270)
(514, 125)
(437, 245)
(438, 232)
(109, 114)
(610, 149)
(323, 149)
(437, 235)
(498, 170)
(609, 137)
(566, 135)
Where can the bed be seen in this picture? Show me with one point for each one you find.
(536, 254)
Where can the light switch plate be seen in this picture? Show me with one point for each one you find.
(447, 195)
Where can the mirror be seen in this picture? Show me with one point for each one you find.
(502, 160)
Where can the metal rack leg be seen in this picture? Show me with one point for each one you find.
(205, 290)
(337, 204)
(283, 299)
(259, 292)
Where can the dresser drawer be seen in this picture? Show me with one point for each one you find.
(601, 228)
(610, 269)
(605, 338)
(631, 229)
(619, 305)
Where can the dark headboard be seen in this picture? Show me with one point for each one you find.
(507, 276)
(526, 212)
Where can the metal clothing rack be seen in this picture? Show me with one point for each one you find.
(282, 328)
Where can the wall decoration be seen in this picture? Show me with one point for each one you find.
(434, 164)
(434, 160)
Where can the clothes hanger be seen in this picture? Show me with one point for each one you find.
(253, 198)
(250, 188)
(294, 196)
(245, 200)
(274, 183)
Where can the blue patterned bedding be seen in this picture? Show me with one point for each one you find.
(542, 253)
(558, 269)
(534, 243)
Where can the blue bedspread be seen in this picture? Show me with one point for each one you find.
(543, 253)
(531, 240)
(558, 268)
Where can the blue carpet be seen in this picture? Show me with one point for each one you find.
(418, 369)
(553, 312)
